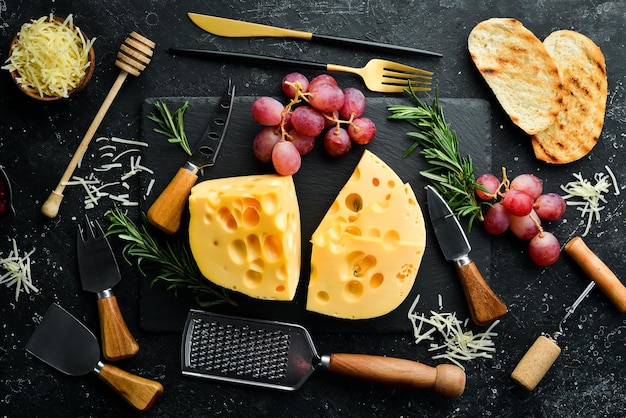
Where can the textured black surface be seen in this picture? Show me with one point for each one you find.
(38, 139)
(317, 183)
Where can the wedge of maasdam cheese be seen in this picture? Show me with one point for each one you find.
(365, 264)
(361, 277)
(244, 234)
(371, 181)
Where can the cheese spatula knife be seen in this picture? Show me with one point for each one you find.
(64, 343)
(282, 356)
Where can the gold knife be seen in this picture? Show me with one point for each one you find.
(236, 28)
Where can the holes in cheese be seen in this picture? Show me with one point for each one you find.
(244, 234)
(368, 247)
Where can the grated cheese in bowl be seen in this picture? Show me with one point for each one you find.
(50, 58)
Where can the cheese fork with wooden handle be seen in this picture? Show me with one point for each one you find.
(98, 274)
(484, 305)
(280, 355)
(236, 28)
(66, 344)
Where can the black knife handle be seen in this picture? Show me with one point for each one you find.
(484, 305)
(248, 58)
(336, 40)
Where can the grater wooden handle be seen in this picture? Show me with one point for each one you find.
(446, 379)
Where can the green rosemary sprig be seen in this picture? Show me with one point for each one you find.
(451, 174)
(170, 260)
(172, 126)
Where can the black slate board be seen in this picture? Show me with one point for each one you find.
(317, 184)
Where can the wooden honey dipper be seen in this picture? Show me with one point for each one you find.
(544, 352)
(133, 57)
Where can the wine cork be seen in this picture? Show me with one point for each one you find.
(536, 362)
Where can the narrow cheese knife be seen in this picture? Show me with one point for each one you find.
(484, 305)
(167, 210)
(236, 28)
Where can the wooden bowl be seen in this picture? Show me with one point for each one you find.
(34, 93)
(6, 200)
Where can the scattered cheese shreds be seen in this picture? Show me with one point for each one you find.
(459, 345)
(589, 198)
(17, 272)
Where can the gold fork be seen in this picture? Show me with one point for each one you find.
(379, 75)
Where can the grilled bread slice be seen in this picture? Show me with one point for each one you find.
(520, 72)
(577, 127)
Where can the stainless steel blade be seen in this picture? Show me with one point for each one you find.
(254, 352)
(64, 343)
(450, 235)
(205, 153)
(97, 265)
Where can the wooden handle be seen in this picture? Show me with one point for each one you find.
(536, 362)
(167, 210)
(117, 341)
(50, 207)
(484, 305)
(446, 379)
(597, 271)
(138, 391)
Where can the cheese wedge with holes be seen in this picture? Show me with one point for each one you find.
(244, 234)
(365, 261)
(371, 181)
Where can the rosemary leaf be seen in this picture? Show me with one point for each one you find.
(451, 174)
(172, 126)
(169, 260)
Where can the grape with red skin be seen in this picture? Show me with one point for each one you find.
(267, 111)
(326, 97)
(307, 121)
(304, 144)
(517, 202)
(496, 219)
(337, 143)
(524, 227)
(489, 182)
(353, 104)
(323, 79)
(544, 249)
(264, 142)
(287, 122)
(286, 158)
(528, 183)
(550, 206)
(362, 130)
(289, 81)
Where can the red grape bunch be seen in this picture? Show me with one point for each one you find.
(316, 108)
(520, 206)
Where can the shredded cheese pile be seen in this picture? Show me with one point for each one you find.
(589, 198)
(17, 272)
(124, 164)
(50, 57)
(458, 344)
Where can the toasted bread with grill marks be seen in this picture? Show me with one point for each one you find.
(577, 127)
(520, 72)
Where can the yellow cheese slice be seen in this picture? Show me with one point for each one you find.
(244, 234)
(371, 181)
(361, 277)
(398, 217)
(365, 257)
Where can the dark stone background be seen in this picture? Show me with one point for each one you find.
(37, 141)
